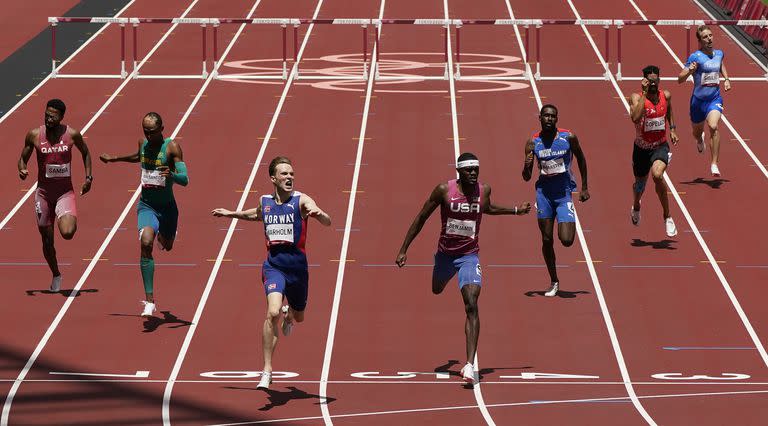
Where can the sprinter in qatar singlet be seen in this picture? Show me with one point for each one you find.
(55, 196)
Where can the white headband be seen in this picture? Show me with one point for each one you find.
(467, 163)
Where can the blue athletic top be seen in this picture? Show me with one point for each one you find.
(285, 230)
(554, 161)
(706, 78)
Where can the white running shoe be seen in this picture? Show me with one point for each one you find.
(634, 215)
(700, 144)
(468, 374)
(265, 381)
(552, 292)
(671, 228)
(149, 309)
(56, 284)
(715, 170)
(287, 325)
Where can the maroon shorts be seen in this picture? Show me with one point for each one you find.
(51, 205)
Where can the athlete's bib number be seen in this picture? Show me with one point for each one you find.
(710, 78)
(152, 178)
(552, 167)
(464, 228)
(57, 170)
(282, 232)
(655, 124)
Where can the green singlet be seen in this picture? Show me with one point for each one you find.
(155, 190)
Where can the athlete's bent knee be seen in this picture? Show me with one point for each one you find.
(567, 242)
(639, 186)
(471, 309)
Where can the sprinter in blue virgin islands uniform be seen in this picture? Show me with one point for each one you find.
(284, 273)
(553, 149)
(706, 66)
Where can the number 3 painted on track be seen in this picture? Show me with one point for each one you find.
(679, 376)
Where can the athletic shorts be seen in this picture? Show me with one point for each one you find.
(51, 205)
(643, 159)
(163, 220)
(292, 283)
(555, 203)
(700, 108)
(467, 265)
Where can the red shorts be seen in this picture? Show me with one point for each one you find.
(50, 203)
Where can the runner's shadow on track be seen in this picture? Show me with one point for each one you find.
(712, 183)
(659, 245)
(65, 293)
(151, 324)
(278, 398)
(445, 368)
(563, 294)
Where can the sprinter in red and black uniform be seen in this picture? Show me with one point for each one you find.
(55, 197)
(651, 111)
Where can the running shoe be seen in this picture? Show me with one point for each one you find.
(715, 170)
(265, 381)
(552, 292)
(634, 215)
(56, 284)
(149, 309)
(287, 325)
(671, 228)
(468, 374)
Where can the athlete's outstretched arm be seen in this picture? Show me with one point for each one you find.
(253, 214)
(581, 160)
(434, 200)
(80, 144)
(309, 209)
(671, 119)
(129, 158)
(724, 72)
(491, 208)
(26, 153)
(528, 164)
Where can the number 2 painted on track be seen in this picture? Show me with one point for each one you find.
(679, 376)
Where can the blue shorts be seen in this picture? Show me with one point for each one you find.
(467, 265)
(551, 204)
(701, 108)
(292, 283)
(163, 220)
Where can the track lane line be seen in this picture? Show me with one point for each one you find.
(710, 258)
(588, 257)
(230, 231)
(335, 307)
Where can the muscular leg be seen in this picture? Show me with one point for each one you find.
(566, 231)
(49, 252)
(270, 334)
(67, 226)
(698, 132)
(438, 285)
(148, 262)
(657, 171)
(712, 119)
(470, 293)
(546, 226)
(166, 243)
(637, 191)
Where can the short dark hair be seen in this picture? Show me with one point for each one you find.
(700, 29)
(57, 104)
(541, 111)
(275, 161)
(156, 117)
(466, 156)
(651, 69)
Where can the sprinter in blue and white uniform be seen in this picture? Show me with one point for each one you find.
(284, 273)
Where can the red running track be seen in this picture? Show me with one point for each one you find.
(658, 291)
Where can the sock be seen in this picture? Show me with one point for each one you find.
(148, 274)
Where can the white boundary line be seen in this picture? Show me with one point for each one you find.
(66, 61)
(715, 266)
(326, 415)
(399, 382)
(457, 151)
(588, 257)
(508, 404)
(230, 231)
(743, 143)
(68, 302)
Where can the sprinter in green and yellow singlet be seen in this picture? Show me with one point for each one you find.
(162, 165)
